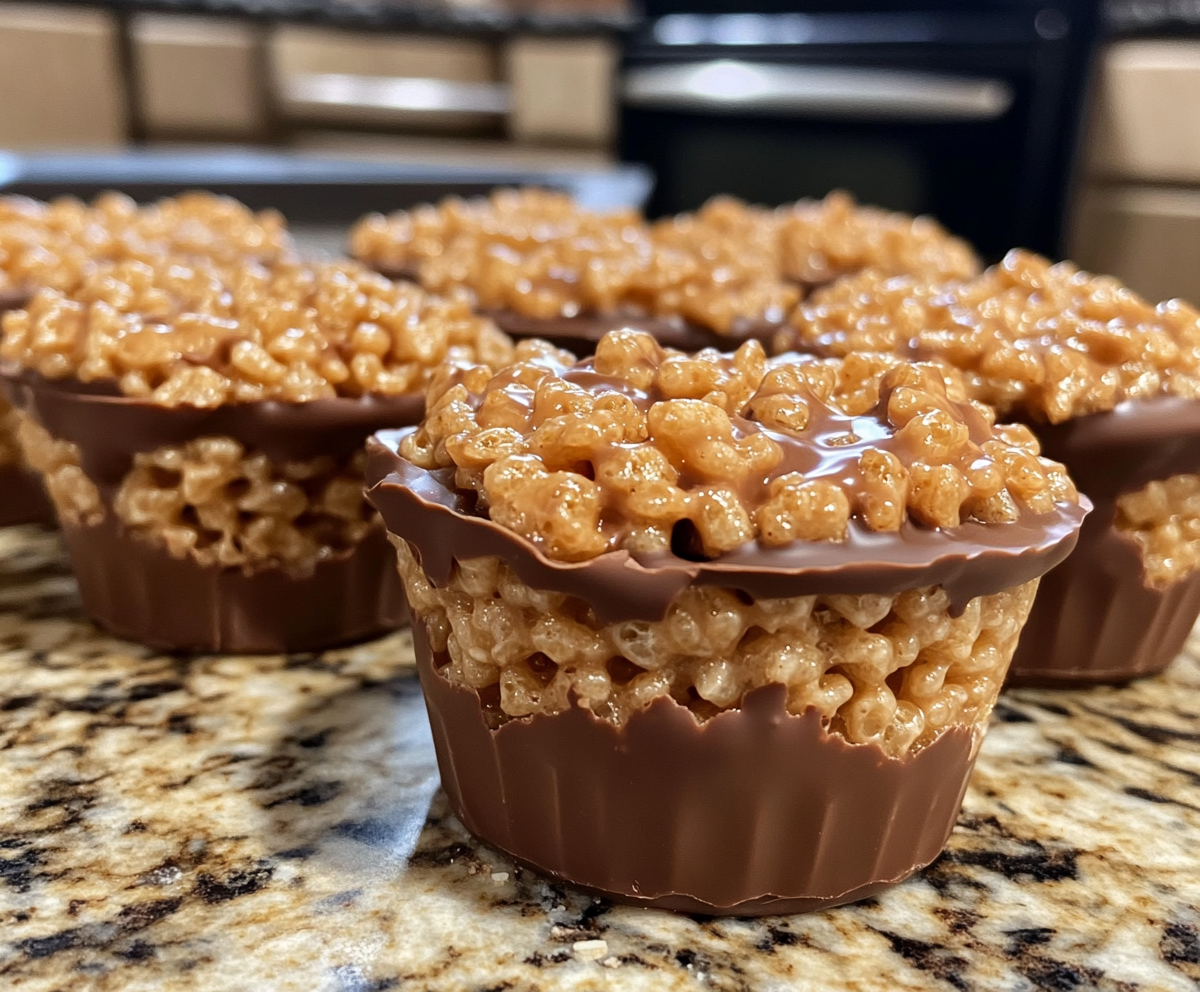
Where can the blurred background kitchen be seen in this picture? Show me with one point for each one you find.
(1068, 126)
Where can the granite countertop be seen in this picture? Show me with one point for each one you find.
(275, 824)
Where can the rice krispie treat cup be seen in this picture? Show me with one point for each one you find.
(542, 266)
(57, 244)
(201, 430)
(1111, 386)
(712, 634)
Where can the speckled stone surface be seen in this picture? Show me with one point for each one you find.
(275, 824)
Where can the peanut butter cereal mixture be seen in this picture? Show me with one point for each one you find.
(1163, 518)
(538, 254)
(57, 244)
(75, 496)
(821, 240)
(648, 449)
(223, 506)
(185, 332)
(213, 501)
(894, 671)
(1048, 341)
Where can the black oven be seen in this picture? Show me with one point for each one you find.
(968, 111)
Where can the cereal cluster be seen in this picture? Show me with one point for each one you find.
(1163, 519)
(538, 254)
(648, 449)
(74, 495)
(1046, 340)
(188, 332)
(894, 671)
(213, 501)
(57, 244)
(821, 240)
(224, 506)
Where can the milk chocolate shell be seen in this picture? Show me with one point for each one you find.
(756, 810)
(1095, 619)
(142, 593)
(23, 498)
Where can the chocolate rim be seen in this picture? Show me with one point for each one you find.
(140, 592)
(110, 429)
(968, 561)
(756, 811)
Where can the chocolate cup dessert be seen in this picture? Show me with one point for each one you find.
(757, 810)
(1097, 618)
(23, 498)
(135, 588)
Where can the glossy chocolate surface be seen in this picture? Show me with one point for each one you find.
(755, 811)
(971, 560)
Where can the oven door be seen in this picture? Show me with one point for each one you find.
(972, 120)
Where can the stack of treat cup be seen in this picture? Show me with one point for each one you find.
(1111, 387)
(689, 636)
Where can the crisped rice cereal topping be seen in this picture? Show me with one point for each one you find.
(1048, 341)
(57, 244)
(620, 450)
(538, 254)
(183, 332)
(821, 240)
(893, 671)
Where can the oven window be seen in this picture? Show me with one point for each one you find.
(776, 166)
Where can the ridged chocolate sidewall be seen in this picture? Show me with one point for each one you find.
(1095, 620)
(755, 812)
(138, 591)
(23, 498)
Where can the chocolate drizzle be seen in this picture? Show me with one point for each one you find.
(971, 560)
(756, 811)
